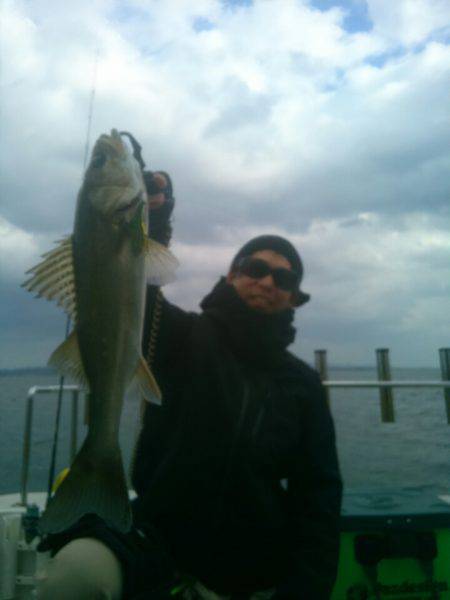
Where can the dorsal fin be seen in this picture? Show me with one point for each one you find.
(53, 278)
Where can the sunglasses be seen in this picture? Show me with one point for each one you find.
(256, 268)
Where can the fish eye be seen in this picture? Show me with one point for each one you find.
(98, 160)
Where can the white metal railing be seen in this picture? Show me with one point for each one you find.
(386, 384)
(32, 392)
(29, 425)
(384, 380)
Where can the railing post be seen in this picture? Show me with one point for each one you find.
(26, 447)
(386, 396)
(320, 362)
(444, 356)
(74, 426)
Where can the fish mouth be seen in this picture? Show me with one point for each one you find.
(130, 206)
(113, 183)
(107, 147)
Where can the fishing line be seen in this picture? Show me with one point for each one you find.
(51, 474)
(91, 107)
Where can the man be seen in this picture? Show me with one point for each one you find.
(236, 473)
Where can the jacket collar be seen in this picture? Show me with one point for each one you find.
(254, 337)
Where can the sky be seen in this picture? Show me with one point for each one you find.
(325, 121)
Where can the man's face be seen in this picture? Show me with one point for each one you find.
(262, 294)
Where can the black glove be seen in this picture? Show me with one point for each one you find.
(152, 186)
(159, 228)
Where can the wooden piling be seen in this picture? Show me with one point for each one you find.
(386, 394)
(320, 362)
(444, 359)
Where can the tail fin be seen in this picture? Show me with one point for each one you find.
(95, 484)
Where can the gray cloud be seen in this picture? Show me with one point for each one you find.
(31, 329)
(242, 109)
(301, 130)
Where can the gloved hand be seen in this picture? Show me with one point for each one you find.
(159, 188)
(160, 203)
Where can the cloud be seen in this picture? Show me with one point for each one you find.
(370, 280)
(16, 249)
(285, 120)
(409, 22)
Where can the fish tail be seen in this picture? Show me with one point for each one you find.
(95, 484)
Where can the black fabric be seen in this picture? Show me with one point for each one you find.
(210, 460)
(152, 186)
(159, 225)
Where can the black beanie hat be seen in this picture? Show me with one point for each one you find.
(280, 246)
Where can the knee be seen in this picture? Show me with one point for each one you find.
(85, 569)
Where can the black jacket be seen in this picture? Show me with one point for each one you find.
(237, 470)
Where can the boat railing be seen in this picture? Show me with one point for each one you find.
(32, 393)
(75, 391)
(384, 380)
(387, 384)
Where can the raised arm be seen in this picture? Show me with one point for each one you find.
(165, 325)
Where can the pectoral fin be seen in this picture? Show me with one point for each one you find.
(144, 380)
(160, 263)
(67, 360)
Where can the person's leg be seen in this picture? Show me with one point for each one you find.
(85, 569)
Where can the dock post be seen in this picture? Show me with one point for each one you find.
(386, 395)
(444, 356)
(320, 362)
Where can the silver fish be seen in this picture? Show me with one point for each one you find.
(99, 276)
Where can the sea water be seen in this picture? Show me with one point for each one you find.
(413, 452)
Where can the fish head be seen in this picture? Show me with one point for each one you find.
(113, 183)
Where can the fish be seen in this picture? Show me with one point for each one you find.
(98, 275)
